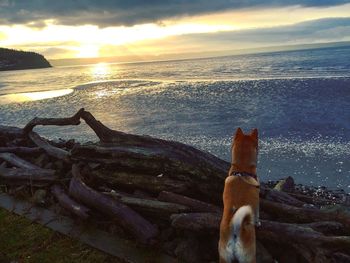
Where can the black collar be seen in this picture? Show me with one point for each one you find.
(245, 174)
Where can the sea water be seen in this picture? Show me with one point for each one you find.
(299, 101)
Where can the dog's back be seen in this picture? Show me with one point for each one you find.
(241, 202)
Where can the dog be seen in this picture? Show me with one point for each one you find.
(241, 202)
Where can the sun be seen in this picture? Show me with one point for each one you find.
(88, 51)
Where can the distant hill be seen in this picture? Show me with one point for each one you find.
(11, 59)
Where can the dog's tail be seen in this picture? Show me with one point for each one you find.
(242, 224)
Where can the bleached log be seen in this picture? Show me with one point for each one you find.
(48, 148)
(18, 162)
(68, 203)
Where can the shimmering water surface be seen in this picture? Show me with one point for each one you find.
(299, 101)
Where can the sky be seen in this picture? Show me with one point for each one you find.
(135, 28)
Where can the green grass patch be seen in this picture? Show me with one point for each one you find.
(24, 241)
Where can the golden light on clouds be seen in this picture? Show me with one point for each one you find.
(268, 17)
(58, 41)
(2, 36)
(88, 51)
(87, 40)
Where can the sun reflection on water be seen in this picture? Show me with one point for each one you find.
(31, 96)
(100, 70)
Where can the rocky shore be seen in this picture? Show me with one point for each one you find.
(165, 195)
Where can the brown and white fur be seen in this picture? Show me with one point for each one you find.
(241, 202)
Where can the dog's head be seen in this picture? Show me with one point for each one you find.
(245, 150)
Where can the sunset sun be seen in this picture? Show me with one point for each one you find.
(88, 51)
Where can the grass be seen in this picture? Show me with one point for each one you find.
(24, 241)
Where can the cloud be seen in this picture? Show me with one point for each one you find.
(121, 12)
(315, 31)
(308, 31)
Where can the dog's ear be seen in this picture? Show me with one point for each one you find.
(239, 133)
(254, 134)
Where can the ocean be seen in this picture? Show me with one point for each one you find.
(299, 101)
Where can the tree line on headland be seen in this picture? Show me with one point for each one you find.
(11, 59)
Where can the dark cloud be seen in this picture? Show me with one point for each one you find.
(128, 12)
(315, 31)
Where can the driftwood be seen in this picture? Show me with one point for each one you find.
(21, 150)
(74, 120)
(178, 153)
(312, 245)
(27, 174)
(179, 184)
(155, 160)
(143, 230)
(310, 199)
(153, 184)
(16, 161)
(48, 148)
(143, 153)
(193, 204)
(328, 227)
(11, 132)
(196, 221)
(282, 197)
(68, 203)
(287, 213)
(151, 207)
(208, 221)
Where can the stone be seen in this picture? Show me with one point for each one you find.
(285, 185)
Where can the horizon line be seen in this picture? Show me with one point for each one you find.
(66, 62)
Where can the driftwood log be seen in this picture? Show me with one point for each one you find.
(20, 150)
(48, 148)
(193, 204)
(287, 213)
(143, 230)
(16, 161)
(69, 204)
(151, 207)
(179, 184)
(151, 183)
(27, 174)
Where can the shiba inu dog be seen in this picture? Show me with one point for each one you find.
(241, 202)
